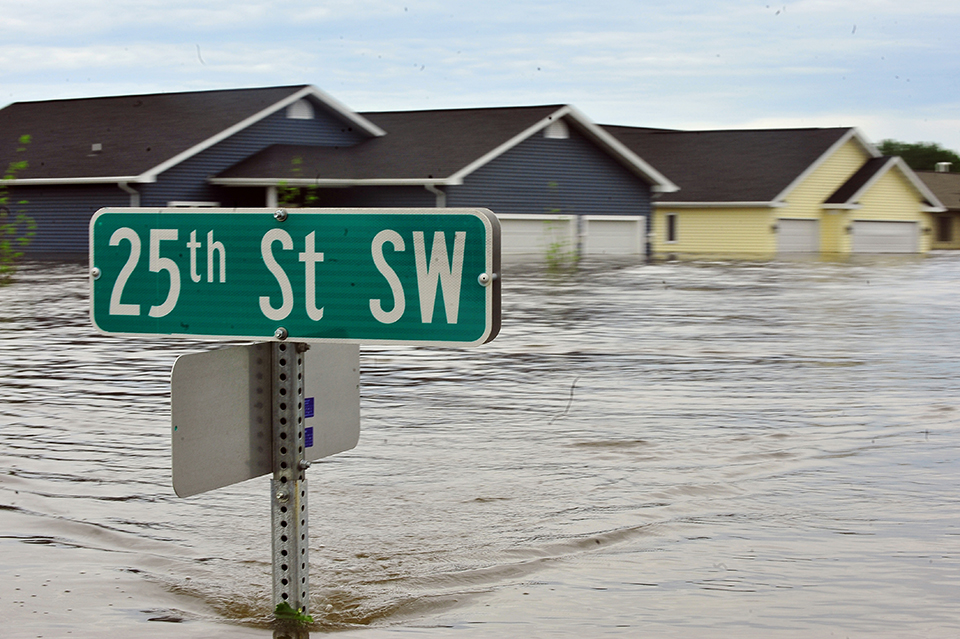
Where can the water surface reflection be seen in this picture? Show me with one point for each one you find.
(675, 449)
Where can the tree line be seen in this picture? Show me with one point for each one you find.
(921, 156)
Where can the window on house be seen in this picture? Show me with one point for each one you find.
(557, 131)
(300, 110)
(671, 221)
(944, 228)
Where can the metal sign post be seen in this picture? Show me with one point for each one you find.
(291, 567)
(333, 277)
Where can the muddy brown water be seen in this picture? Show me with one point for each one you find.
(707, 449)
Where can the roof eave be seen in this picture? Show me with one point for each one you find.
(896, 161)
(658, 182)
(852, 133)
(331, 182)
(720, 205)
(306, 91)
(112, 179)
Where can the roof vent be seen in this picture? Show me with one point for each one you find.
(944, 167)
(557, 131)
(95, 149)
(300, 110)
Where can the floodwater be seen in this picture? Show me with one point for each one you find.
(703, 449)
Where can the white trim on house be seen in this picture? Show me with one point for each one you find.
(659, 183)
(341, 109)
(853, 133)
(113, 179)
(719, 205)
(325, 182)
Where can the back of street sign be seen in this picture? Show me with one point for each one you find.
(221, 404)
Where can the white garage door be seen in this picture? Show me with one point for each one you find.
(614, 234)
(885, 237)
(537, 234)
(798, 236)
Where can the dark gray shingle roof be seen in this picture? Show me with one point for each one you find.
(729, 165)
(136, 132)
(946, 186)
(849, 189)
(419, 145)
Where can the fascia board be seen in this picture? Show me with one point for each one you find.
(841, 207)
(853, 133)
(922, 189)
(115, 179)
(342, 109)
(919, 185)
(509, 144)
(329, 182)
(879, 173)
(152, 174)
(719, 205)
(659, 182)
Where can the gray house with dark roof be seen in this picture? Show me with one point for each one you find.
(240, 148)
(946, 185)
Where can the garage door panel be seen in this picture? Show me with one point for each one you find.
(614, 235)
(798, 236)
(885, 237)
(535, 234)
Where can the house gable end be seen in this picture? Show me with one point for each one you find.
(543, 175)
(135, 138)
(874, 170)
(852, 137)
(189, 180)
(572, 118)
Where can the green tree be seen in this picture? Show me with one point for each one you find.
(16, 227)
(921, 156)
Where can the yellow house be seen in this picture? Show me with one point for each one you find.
(762, 193)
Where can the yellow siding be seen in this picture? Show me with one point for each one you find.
(807, 198)
(954, 242)
(893, 198)
(716, 231)
(749, 231)
(834, 237)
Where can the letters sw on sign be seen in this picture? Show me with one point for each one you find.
(416, 276)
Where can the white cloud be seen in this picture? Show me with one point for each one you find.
(717, 63)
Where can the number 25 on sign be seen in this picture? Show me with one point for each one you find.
(417, 276)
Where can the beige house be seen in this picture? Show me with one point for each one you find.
(762, 193)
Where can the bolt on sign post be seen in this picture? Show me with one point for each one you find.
(335, 277)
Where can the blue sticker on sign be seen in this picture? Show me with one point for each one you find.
(308, 407)
(308, 436)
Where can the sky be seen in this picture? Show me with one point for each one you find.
(890, 68)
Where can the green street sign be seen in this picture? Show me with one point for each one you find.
(412, 276)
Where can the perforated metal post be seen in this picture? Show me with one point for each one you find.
(291, 566)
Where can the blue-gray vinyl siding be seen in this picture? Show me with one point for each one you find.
(554, 176)
(62, 215)
(63, 212)
(187, 181)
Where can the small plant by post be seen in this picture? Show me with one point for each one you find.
(293, 196)
(560, 256)
(16, 227)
